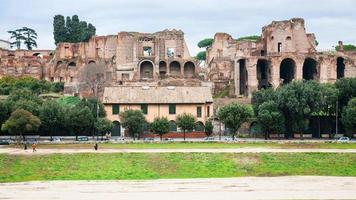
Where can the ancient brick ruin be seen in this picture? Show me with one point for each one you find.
(285, 52)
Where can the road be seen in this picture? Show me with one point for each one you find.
(17, 151)
(295, 187)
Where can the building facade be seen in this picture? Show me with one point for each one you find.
(155, 102)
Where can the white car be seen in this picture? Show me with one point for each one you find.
(343, 139)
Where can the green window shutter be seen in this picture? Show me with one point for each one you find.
(172, 109)
(144, 108)
(199, 111)
(115, 109)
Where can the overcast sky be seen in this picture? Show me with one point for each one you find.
(330, 20)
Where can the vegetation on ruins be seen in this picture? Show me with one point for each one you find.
(160, 126)
(206, 43)
(26, 35)
(186, 122)
(347, 47)
(249, 38)
(348, 117)
(71, 29)
(233, 115)
(134, 121)
(201, 56)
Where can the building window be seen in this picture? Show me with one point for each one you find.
(147, 51)
(170, 52)
(279, 47)
(115, 109)
(199, 111)
(144, 108)
(208, 111)
(172, 109)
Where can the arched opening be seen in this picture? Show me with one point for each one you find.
(116, 129)
(92, 62)
(310, 71)
(340, 67)
(146, 69)
(199, 127)
(72, 64)
(189, 69)
(37, 54)
(243, 77)
(162, 68)
(59, 63)
(287, 70)
(174, 68)
(172, 126)
(263, 73)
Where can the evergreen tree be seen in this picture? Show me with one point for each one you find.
(30, 37)
(18, 37)
(59, 29)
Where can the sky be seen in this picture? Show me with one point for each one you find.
(330, 20)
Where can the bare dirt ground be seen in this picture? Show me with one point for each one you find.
(236, 150)
(295, 187)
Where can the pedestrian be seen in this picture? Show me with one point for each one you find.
(34, 146)
(25, 146)
(96, 146)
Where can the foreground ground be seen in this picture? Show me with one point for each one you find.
(207, 189)
(124, 166)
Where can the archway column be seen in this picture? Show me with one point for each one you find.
(252, 81)
(275, 80)
(237, 76)
(298, 70)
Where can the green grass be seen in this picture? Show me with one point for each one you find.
(127, 166)
(204, 145)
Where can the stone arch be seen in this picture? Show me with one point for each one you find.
(91, 62)
(243, 78)
(162, 68)
(72, 64)
(340, 67)
(287, 70)
(116, 129)
(37, 54)
(189, 69)
(174, 68)
(172, 126)
(146, 69)
(58, 65)
(310, 71)
(199, 126)
(263, 73)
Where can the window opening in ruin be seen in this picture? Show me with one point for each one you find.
(243, 78)
(287, 70)
(174, 68)
(71, 79)
(60, 79)
(146, 69)
(279, 47)
(162, 68)
(189, 69)
(52, 79)
(72, 64)
(92, 62)
(125, 76)
(263, 53)
(289, 38)
(170, 52)
(310, 71)
(147, 51)
(340, 68)
(263, 74)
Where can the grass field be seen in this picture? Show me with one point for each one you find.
(204, 145)
(121, 166)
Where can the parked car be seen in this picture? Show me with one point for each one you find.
(56, 139)
(168, 139)
(148, 139)
(343, 139)
(4, 142)
(209, 139)
(83, 138)
(31, 141)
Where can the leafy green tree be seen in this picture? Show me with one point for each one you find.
(4, 112)
(201, 56)
(134, 121)
(20, 123)
(249, 38)
(347, 47)
(347, 90)
(18, 38)
(348, 117)
(261, 96)
(160, 126)
(270, 118)
(79, 120)
(59, 29)
(52, 117)
(206, 43)
(209, 128)
(30, 37)
(95, 106)
(234, 115)
(103, 126)
(185, 122)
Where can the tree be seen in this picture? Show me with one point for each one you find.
(134, 121)
(93, 76)
(18, 37)
(201, 56)
(30, 37)
(52, 117)
(160, 126)
(185, 122)
(103, 126)
(95, 106)
(209, 128)
(24, 99)
(249, 38)
(4, 112)
(206, 43)
(270, 118)
(347, 90)
(233, 116)
(59, 29)
(79, 120)
(347, 47)
(20, 123)
(348, 117)
(261, 96)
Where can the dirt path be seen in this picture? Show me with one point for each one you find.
(236, 150)
(302, 187)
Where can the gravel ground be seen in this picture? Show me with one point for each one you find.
(294, 187)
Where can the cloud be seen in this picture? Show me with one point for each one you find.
(330, 20)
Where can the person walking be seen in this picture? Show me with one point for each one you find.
(34, 146)
(96, 146)
(25, 146)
